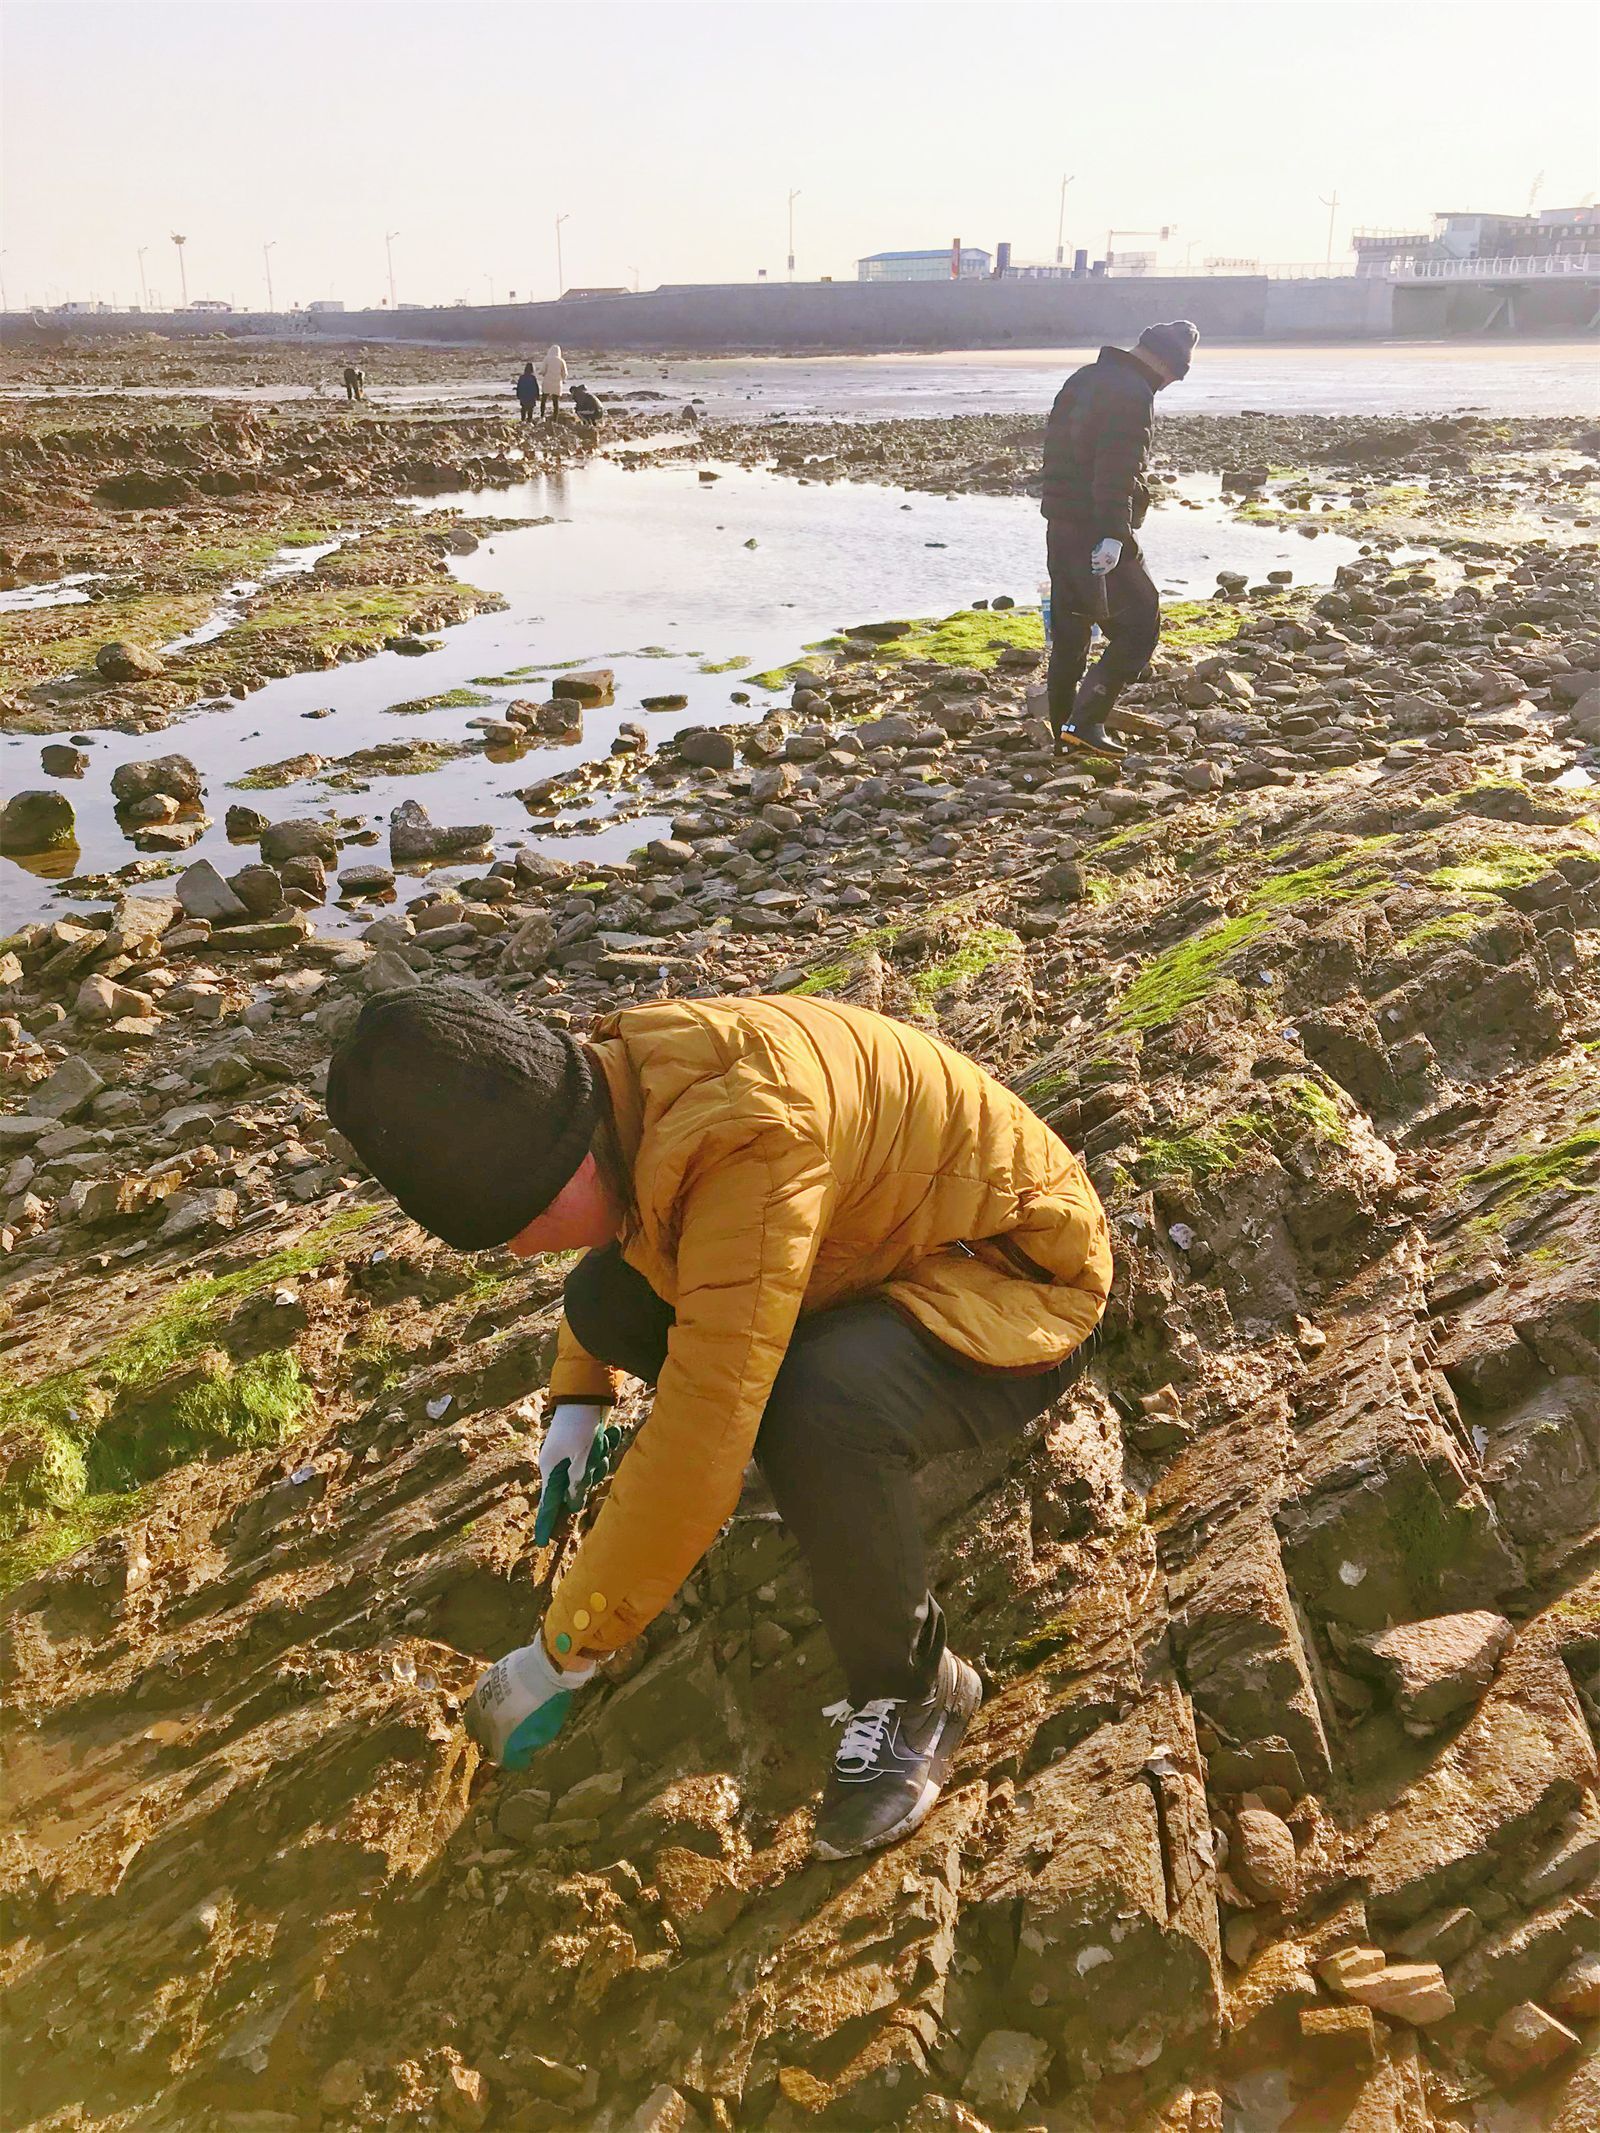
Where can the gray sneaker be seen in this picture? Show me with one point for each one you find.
(892, 1762)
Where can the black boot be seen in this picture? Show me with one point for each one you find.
(892, 1762)
(1086, 728)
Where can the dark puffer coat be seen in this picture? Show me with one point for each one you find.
(1095, 446)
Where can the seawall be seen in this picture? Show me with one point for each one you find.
(858, 318)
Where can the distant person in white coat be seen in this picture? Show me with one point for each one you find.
(551, 379)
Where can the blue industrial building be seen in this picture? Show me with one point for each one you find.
(924, 266)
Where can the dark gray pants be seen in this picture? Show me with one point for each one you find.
(861, 1400)
(1132, 625)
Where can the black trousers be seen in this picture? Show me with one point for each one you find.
(860, 1401)
(1132, 626)
(529, 409)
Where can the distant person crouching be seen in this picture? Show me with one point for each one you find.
(586, 407)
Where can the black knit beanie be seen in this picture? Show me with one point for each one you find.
(1174, 343)
(473, 1117)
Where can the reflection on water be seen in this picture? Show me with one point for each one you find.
(682, 588)
(60, 592)
(59, 864)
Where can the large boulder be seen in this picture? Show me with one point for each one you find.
(413, 836)
(173, 775)
(893, 730)
(299, 840)
(101, 999)
(139, 923)
(155, 807)
(204, 894)
(587, 685)
(367, 879)
(1438, 1667)
(527, 947)
(1004, 2068)
(776, 782)
(128, 662)
(259, 888)
(1263, 1856)
(39, 821)
(707, 748)
(67, 1091)
(1584, 718)
(541, 869)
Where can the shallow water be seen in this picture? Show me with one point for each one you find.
(647, 572)
(284, 563)
(1346, 378)
(1526, 378)
(60, 592)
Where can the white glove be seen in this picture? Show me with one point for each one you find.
(519, 1705)
(1105, 557)
(570, 1436)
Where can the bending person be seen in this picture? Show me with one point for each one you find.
(828, 1241)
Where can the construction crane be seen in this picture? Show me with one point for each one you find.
(1161, 234)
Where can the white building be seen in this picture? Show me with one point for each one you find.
(925, 266)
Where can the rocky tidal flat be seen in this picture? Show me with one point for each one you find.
(1283, 1809)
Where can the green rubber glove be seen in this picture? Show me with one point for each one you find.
(521, 1703)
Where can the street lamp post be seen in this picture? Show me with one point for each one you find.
(389, 237)
(1333, 208)
(561, 281)
(793, 197)
(634, 271)
(144, 291)
(1061, 225)
(266, 261)
(183, 277)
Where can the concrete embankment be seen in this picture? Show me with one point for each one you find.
(857, 317)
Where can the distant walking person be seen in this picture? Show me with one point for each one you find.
(586, 407)
(551, 379)
(1095, 448)
(355, 382)
(527, 391)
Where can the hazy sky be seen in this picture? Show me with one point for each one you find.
(671, 134)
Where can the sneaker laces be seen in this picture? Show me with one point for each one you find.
(863, 1731)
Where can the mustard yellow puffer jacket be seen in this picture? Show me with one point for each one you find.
(788, 1154)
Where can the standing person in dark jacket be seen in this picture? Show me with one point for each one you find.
(1095, 447)
(527, 390)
